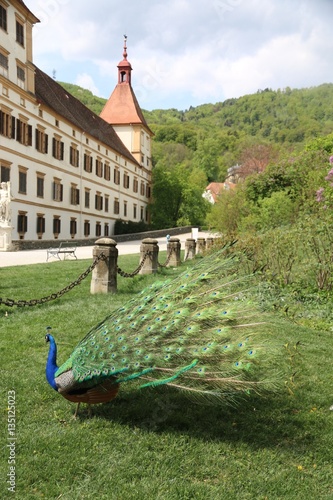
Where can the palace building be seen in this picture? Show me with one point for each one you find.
(65, 172)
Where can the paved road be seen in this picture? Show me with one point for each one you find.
(39, 256)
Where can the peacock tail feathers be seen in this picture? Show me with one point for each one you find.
(202, 332)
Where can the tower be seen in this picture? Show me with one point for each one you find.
(123, 112)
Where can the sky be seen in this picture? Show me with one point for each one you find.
(186, 52)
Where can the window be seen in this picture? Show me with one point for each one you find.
(86, 228)
(98, 201)
(116, 176)
(20, 77)
(116, 206)
(75, 195)
(40, 225)
(73, 227)
(4, 173)
(98, 229)
(106, 229)
(87, 198)
(40, 185)
(142, 188)
(57, 148)
(41, 140)
(134, 211)
(99, 167)
(74, 155)
(22, 223)
(87, 162)
(107, 172)
(126, 180)
(7, 123)
(135, 185)
(147, 191)
(125, 208)
(106, 204)
(4, 64)
(22, 188)
(20, 33)
(142, 139)
(23, 132)
(3, 18)
(56, 226)
(57, 190)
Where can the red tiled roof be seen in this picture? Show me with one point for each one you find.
(123, 108)
(50, 93)
(215, 188)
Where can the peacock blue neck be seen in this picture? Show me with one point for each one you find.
(51, 363)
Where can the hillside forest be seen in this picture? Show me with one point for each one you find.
(282, 144)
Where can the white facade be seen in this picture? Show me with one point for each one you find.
(68, 179)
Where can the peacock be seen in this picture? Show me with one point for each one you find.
(203, 333)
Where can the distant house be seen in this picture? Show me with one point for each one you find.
(214, 189)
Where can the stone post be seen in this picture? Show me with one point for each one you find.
(190, 245)
(201, 245)
(150, 265)
(104, 275)
(209, 243)
(173, 252)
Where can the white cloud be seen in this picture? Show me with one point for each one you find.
(86, 81)
(187, 51)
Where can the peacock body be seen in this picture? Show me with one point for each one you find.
(201, 332)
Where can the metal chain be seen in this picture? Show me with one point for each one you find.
(167, 260)
(53, 296)
(137, 270)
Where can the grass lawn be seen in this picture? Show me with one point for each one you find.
(153, 444)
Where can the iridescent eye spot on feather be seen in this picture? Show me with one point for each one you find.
(121, 338)
(105, 371)
(92, 343)
(167, 357)
(110, 346)
(124, 348)
(201, 371)
(124, 360)
(101, 354)
(137, 339)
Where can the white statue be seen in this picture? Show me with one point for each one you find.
(5, 198)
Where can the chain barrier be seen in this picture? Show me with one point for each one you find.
(137, 270)
(186, 256)
(53, 296)
(167, 260)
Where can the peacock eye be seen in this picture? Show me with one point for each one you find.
(47, 338)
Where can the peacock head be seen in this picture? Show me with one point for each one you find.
(48, 336)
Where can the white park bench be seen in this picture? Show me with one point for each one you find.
(65, 247)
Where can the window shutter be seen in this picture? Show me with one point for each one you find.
(12, 136)
(29, 135)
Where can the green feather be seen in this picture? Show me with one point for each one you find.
(201, 332)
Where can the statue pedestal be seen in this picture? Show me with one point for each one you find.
(5, 238)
